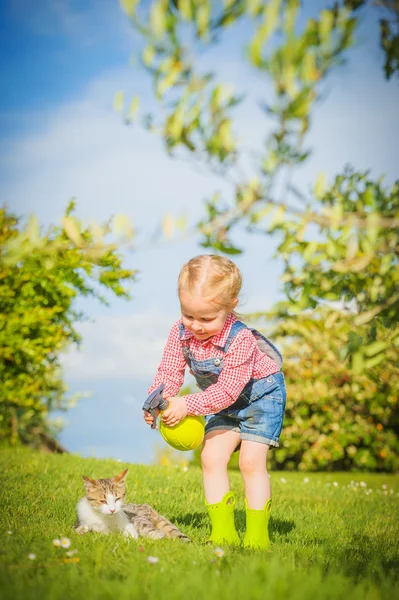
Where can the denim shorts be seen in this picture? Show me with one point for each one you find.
(258, 421)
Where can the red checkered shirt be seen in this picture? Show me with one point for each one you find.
(242, 362)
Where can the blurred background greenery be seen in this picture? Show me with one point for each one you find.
(338, 323)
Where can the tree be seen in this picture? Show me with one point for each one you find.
(41, 277)
(342, 243)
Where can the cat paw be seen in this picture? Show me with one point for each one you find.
(82, 529)
(130, 531)
(156, 535)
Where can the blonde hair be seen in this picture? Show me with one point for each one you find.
(214, 277)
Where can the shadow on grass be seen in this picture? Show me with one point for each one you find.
(364, 554)
(198, 520)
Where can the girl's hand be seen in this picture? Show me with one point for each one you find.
(175, 412)
(148, 417)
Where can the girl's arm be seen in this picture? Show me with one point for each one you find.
(237, 371)
(171, 369)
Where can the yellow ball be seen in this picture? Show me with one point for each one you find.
(186, 435)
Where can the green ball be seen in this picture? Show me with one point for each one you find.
(186, 435)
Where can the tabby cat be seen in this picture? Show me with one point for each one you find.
(103, 510)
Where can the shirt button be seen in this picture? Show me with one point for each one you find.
(217, 362)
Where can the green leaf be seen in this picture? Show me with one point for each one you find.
(129, 6)
(320, 185)
(148, 55)
(310, 250)
(158, 19)
(134, 106)
(375, 348)
(326, 25)
(185, 8)
(119, 100)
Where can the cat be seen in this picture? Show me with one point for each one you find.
(103, 510)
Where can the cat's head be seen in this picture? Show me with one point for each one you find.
(106, 496)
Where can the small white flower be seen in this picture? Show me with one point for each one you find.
(283, 480)
(152, 560)
(185, 469)
(57, 543)
(363, 484)
(9, 532)
(306, 480)
(32, 556)
(65, 542)
(335, 483)
(384, 486)
(219, 552)
(85, 528)
(71, 552)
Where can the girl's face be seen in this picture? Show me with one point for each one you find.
(203, 317)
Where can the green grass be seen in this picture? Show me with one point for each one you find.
(329, 541)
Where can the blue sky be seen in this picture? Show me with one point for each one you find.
(61, 63)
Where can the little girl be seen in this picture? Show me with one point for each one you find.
(243, 393)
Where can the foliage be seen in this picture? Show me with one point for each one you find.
(332, 538)
(389, 32)
(41, 277)
(350, 251)
(336, 418)
(348, 257)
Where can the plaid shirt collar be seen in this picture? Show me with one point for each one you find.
(219, 339)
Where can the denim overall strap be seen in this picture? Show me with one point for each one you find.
(267, 347)
(235, 328)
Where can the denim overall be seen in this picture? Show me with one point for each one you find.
(258, 412)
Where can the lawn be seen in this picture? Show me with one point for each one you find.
(333, 536)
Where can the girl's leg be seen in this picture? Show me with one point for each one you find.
(217, 449)
(252, 462)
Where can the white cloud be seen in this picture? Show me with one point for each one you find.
(128, 347)
(82, 149)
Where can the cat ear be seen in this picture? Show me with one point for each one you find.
(121, 477)
(89, 483)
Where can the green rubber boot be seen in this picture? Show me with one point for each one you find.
(257, 531)
(222, 520)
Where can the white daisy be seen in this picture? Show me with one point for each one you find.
(219, 552)
(306, 480)
(65, 542)
(71, 552)
(57, 543)
(152, 560)
(32, 556)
